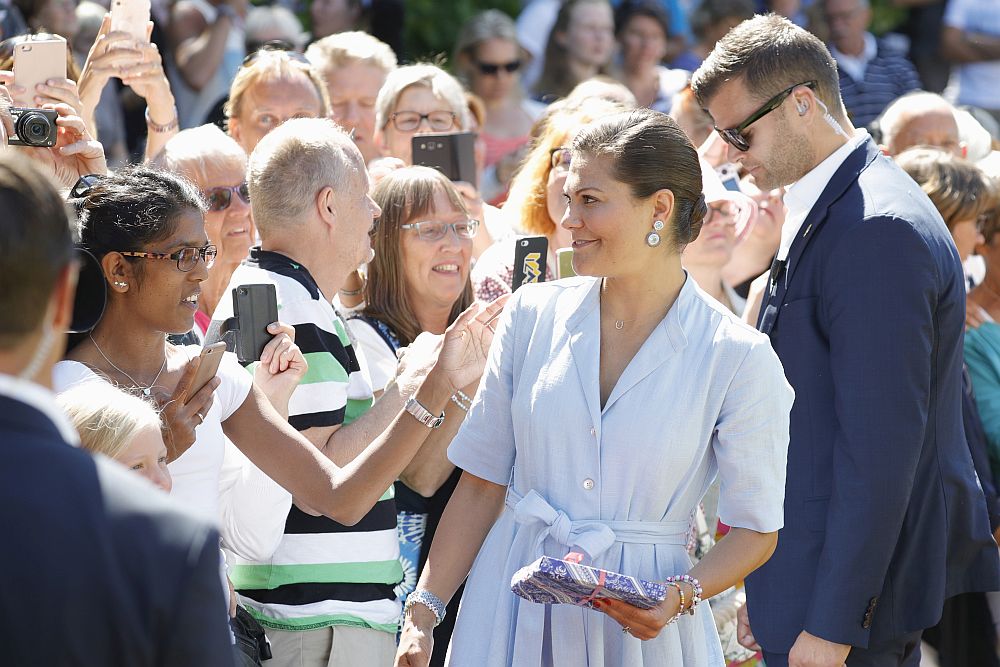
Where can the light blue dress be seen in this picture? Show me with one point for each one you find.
(704, 394)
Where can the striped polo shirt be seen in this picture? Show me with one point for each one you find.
(887, 75)
(323, 573)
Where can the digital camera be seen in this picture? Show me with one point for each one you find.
(33, 127)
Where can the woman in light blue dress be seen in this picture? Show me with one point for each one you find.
(609, 404)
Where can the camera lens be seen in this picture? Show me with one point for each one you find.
(33, 128)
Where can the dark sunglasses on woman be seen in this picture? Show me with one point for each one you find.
(219, 199)
(492, 69)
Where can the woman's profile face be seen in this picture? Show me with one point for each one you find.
(231, 229)
(270, 102)
(161, 297)
(436, 272)
(966, 236)
(717, 239)
(147, 456)
(607, 224)
(495, 69)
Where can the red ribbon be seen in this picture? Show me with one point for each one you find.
(577, 558)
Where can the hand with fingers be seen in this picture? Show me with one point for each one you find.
(53, 91)
(975, 315)
(109, 54)
(416, 360)
(640, 623)
(183, 412)
(467, 343)
(282, 366)
(744, 635)
(416, 641)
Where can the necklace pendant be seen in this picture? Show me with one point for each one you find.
(619, 324)
(147, 390)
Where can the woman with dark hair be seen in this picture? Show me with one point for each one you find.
(579, 47)
(642, 28)
(418, 281)
(579, 440)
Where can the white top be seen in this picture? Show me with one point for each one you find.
(534, 24)
(855, 66)
(41, 399)
(975, 83)
(382, 362)
(802, 195)
(704, 395)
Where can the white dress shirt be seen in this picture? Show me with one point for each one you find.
(801, 196)
(855, 66)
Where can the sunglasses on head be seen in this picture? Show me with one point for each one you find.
(219, 199)
(492, 69)
(734, 136)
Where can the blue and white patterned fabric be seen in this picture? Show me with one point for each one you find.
(556, 581)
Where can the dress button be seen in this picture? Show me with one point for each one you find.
(588, 484)
(593, 431)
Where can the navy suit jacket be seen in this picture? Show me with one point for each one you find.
(884, 517)
(98, 567)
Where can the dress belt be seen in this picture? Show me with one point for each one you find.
(592, 535)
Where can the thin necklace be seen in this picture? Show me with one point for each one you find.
(145, 390)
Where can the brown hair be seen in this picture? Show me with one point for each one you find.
(555, 79)
(403, 195)
(959, 190)
(640, 143)
(770, 53)
(272, 66)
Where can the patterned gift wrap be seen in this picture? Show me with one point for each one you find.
(555, 581)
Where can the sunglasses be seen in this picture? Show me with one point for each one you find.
(435, 231)
(186, 258)
(275, 46)
(220, 198)
(734, 136)
(560, 157)
(492, 69)
(84, 185)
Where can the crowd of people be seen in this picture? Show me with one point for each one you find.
(762, 364)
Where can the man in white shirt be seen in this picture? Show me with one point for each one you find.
(971, 40)
(865, 307)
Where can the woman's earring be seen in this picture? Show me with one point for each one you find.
(653, 238)
(121, 284)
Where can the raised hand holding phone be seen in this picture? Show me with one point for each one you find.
(281, 367)
(184, 410)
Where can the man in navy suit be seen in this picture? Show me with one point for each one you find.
(865, 305)
(99, 569)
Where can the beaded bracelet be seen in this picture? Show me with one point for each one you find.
(696, 590)
(161, 129)
(456, 399)
(680, 609)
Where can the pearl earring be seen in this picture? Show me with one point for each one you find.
(653, 238)
(121, 284)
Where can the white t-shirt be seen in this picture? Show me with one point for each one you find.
(196, 472)
(381, 360)
(975, 83)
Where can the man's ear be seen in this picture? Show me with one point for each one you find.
(326, 206)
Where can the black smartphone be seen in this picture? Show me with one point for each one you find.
(254, 307)
(454, 155)
(530, 256)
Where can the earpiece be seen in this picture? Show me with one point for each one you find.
(801, 107)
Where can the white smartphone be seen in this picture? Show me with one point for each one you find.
(130, 16)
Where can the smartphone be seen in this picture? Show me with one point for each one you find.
(208, 367)
(564, 263)
(255, 307)
(530, 256)
(729, 174)
(130, 16)
(36, 61)
(454, 155)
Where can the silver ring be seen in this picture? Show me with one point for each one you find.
(200, 418)
(626, 629)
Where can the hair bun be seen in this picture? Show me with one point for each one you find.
(698, 212)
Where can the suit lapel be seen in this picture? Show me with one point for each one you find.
(843, 178)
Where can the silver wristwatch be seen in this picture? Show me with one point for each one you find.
(422, 414)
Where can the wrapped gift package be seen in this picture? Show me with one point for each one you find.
(557, 581)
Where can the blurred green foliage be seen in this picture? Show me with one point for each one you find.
(432, 25)
(886, 17)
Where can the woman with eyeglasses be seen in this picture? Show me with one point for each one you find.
(272, 86)
(536, 203)
(418, 281)
(731, 216)
(488, 59)
(216, 164)
(642, 28)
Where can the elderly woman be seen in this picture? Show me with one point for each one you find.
(418, 281)
(488, 59)
(271, 87)
(730, 218)
(570, 444)
(354, 66)
(642, 28)
(217, 165)
(536, 203)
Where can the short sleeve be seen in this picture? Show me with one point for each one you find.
(381, 359)
(484, 446)
(751, 442)
(236, 382)
(955, 14)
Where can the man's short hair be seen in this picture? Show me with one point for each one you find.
(443, 85)
(907, 107)
(291, 164)
(347, 48)
(769, 53)
(36, 244)
(194, 152)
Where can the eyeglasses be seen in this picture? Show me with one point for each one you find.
(492, 69)
(721, 213)
(408, 121)
(221, 197)
(435, 231)
(84, 185)
(186, 258)
(274, 46)
(734, 137)
(559, 157)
